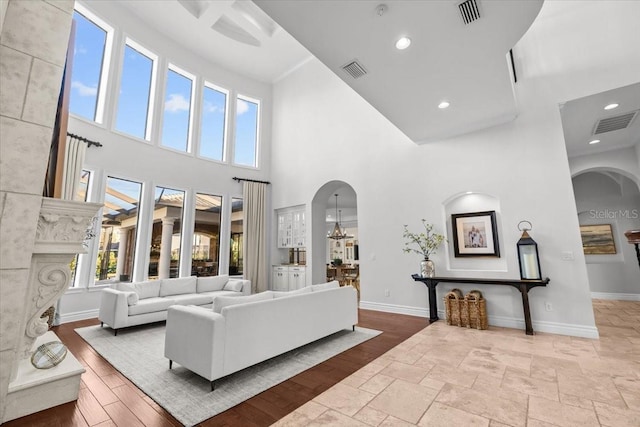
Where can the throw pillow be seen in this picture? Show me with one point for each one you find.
(129, 290)
(212, 283)
(324, 286)
(221, 302)
(280, 294)
(148, 289)
(178, 286)
(132, 298)
(233, 285)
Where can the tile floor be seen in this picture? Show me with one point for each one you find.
(451, 376)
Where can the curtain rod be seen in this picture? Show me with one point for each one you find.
(235, 178)
(83, 139)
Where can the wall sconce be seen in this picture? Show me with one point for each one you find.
(528, 254)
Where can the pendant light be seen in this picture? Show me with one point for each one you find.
(337, 233)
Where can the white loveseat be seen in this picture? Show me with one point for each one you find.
(130, 304)
(217, 342)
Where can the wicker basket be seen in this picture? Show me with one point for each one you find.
(469, 311)
(476, 308)
(454, 307)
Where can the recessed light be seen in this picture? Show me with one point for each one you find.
(611, 106)
(469, 192)
(403, 43)
(443, 104)
(595, 141)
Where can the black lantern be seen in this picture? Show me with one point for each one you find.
(528, 254)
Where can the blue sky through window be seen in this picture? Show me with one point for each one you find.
(246, 132)
(135, 86)
(87, 67)
(213, 121)
(177, 105)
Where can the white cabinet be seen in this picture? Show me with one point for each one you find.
(287, 278)
(280, 278)
(292, 228)
(296, 278)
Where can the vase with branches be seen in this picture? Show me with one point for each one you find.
(424, 243)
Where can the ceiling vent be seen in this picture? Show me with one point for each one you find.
(354, 69)
(614, 123)
(470, 11)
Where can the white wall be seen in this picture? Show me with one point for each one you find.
(523, 164)
(129, 158)
(615, 200)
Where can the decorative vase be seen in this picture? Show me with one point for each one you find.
(427, 268)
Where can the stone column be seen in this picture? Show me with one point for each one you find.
(164, 263)
(122, 251)
(33, 45)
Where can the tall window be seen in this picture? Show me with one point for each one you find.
(118, 232)
(206, 236)
(246, 145)
(90, 65)
(135, 108)
(236, 257)
(213, 130)
(177, 110)
(80, 196)
(164, 256)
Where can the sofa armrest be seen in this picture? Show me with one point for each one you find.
(195, 338)
(246, 286)
(114, 309)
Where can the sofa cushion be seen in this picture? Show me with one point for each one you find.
(221, 302)
(192, 299)
(150, 305)
(148, 289)
(324, 286)
(212, 283)
(216, 294)
(178, 286)
(279, 294)
(233, 285)
(132, 296)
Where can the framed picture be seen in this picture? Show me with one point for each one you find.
(475, 234)
(597, 239)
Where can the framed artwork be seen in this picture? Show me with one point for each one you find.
(475, 234)
(597, 239)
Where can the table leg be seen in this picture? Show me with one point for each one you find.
(527, 311)
(433, 302)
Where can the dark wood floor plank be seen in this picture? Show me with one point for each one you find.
(109, 399)
(122, 416)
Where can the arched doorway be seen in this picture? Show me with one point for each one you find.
(324, 251)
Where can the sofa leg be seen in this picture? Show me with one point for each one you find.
(213, 385)
(101, 324)
(170, 364)
(115, 332)
(353, 328)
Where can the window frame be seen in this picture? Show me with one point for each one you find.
(190, 131)
(104, 81)
(258, 102)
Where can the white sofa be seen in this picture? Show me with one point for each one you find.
(130, 304)
(217, 342)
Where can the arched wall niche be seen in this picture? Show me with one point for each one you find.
(473, 202)
(319, 228)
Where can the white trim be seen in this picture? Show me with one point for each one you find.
(78, 315)
(615, 296)
(500, 321)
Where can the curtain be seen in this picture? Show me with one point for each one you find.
(73, 161)
(254, 230)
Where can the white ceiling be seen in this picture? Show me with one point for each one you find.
(265, 52)
(467, 65)
(579, 118)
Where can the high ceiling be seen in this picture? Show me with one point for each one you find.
(581, 116)
(466, 65)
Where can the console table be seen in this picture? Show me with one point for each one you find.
(524, 286)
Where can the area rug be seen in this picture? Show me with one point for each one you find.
(138, 353)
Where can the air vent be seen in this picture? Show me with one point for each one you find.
(354, 69)
(614, 123)
(470, 11)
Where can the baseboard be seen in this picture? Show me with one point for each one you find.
(78, 315)
(619, 297)
(500, 321)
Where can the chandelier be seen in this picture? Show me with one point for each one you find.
(338, 233)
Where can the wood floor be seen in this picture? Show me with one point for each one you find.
(107, 398)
